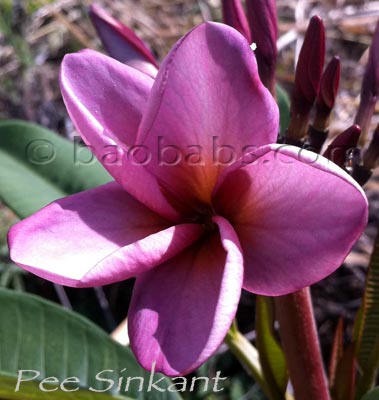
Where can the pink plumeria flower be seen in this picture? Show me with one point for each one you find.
(193, 229)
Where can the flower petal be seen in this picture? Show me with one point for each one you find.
(122, 43)
(296, 214)
(96, 237)
(105, 100)
(182, 310)
(207, 95)
(104, 95)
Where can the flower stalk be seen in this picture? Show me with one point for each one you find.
(301, 345)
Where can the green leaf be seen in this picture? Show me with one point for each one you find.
(284, 108)
(37, 167)
(271, 354)
(38, 335)
(367, 328)
(31, 391)
(372, 394)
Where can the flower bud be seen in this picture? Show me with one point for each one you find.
(342, 145)
(307, 79)
(327, 93)
(370, 86)
(122, 43)
(234, 15)
(263, 24)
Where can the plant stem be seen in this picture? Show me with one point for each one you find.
(247, 354)
(301, 345)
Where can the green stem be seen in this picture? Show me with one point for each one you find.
(301, 345)
(247, 354)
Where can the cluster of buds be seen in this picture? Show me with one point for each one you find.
(315, 89)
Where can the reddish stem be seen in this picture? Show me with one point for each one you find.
(301, 345)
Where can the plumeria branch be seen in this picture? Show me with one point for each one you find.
(301, 345)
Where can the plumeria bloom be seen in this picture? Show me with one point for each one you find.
(203, 203)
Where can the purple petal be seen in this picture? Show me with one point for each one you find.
(122, 43)
(182, 310)
(296, 214)
(105, 100)
(96, 237)
(207, 95)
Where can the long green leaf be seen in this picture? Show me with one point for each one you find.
(284, 108)
(37, 166)
(31, 391)
(271, 354)
(372, 395)
(367, 328)
(38, 335)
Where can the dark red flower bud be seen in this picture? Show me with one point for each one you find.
(309, 66)
(263, 24)
(342, 145)
(308, 76)
(370, 86)
(328, 87)
(327, 94)
(121, 42)
(234, 15)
